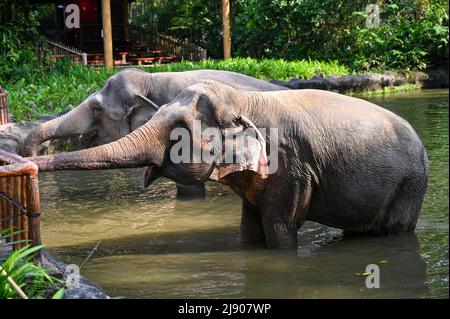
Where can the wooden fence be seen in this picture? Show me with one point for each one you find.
(62, 51)
(4, 116)
(183, 50)
(178, 48)
(19, 199)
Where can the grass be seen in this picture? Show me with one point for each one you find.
(65, 86)
(265, 69)
(388, 90)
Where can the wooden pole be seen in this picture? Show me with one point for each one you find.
(33, 207)
(17, 221)
(23, 202)
(9, 209)
(107, 34)
(2, 202)
(226, 29)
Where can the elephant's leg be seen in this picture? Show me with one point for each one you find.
(282, 216)
(251, 225)
(278, 233)
(190, 191)
(403, 211)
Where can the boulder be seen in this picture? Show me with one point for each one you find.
(357, 83)
(12, 135)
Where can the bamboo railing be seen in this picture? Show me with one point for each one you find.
(60, 50)
(182, 49)
(19, 200)
(4, 116)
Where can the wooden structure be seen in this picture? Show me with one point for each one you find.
(90, 34)
(19, 193)
(103, 36)
(4, 115)
(226, 29)
(19, 199)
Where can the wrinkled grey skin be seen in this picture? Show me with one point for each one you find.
(343, 162)
(116, 109)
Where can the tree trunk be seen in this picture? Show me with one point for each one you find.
(107, 34)
(226, 29)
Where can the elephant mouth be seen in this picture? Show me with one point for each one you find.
(91, 138)
(151, 174)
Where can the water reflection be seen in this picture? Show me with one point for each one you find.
(154, 246)
(212, 263)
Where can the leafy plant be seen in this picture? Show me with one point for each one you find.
(31, 278)
(22, 50)
(412, 35)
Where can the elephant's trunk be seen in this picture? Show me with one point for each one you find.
(138, 149)
(76, 122)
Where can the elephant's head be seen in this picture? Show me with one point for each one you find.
(218, 108)
(107, 115)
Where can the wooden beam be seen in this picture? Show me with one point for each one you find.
(226, 29)
(107, 33)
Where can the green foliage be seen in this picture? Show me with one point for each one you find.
(411, 39)
(31, 278)
(54, 91)
(19, 41)
(198, 21)
(265, 69)
(65, 86)
(413, 33)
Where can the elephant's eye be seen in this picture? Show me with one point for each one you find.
(97, 109)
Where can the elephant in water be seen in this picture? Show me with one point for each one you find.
(128, 100)
(340, 161)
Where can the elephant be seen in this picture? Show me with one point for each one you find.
(341, 161)
(128, 100)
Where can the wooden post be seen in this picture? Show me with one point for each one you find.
(107, 34)
(23, 202)
(9, 209)
(17, 220)
(4, 117)
(125, 17)
(226, 29)
(2, 202)
(33, 207)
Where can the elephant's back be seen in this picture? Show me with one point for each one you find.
(234, 79)
(339, 127)
(338, 111)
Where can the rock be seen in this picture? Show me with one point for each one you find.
(86, 289)
(8, 145)
(13, 134)
(437, 79)
(357, 83)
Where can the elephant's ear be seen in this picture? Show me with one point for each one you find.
(244, 149)
(141, 112)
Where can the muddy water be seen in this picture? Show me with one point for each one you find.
(150, 245)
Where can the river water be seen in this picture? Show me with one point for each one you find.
(152, 246)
